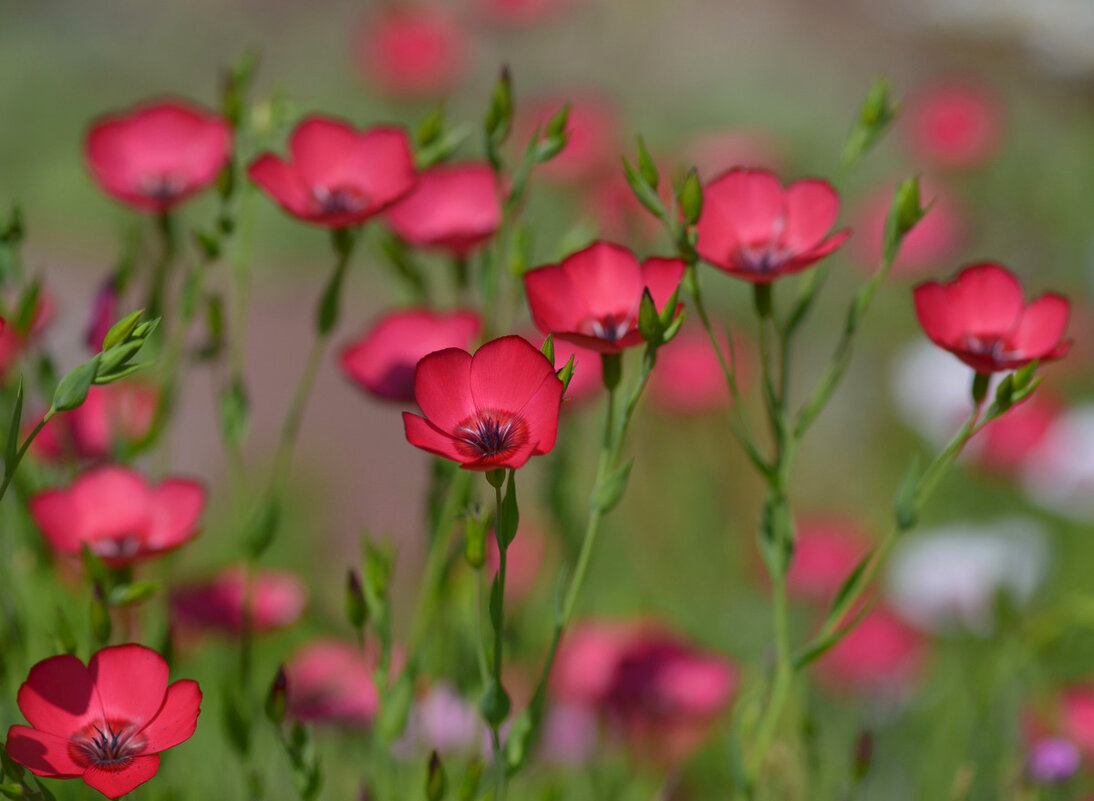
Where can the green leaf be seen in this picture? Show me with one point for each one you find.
(72, 390)
(263, 528)
(566, 373)
(905, 504)
(395, 708)
(849, 590)
(510, 514)
(233, 409)
(11, 446)
(132, 593)
(610, 490)
(472, 777)
(645, 193)
(646, 168)
(548, 348)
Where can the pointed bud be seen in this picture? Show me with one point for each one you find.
(495, 704)
(474, 543)
(277, 697)
(875, 116)
(646, 168)
(435, 783)
(566, 373)
(691, 198)
(864, 755)
(556, 126)
(904, 214)
(356, 608)
(649, 321)
(548, 348)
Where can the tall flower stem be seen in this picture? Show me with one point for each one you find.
(165, 227)
(9, 470)
(495, 704)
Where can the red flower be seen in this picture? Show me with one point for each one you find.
(662, 693)
(592, 298)
(110, 413)
(689, 378)
(1006, 444)
(115, 512)
(881, 653)
(408, 52)
(488, 411)
(754, 229)
(982, 319)
(454, 207)
(105, 723)
(383, 359)
(338, 176)
(276, 599)
(828, 548)
(331, 681)
(953, 125)
(159, 154)
(14, 340)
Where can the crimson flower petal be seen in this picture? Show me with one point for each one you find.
(42, 753)
(749, 202)
(423, 434)
(442, 387)
(811, 210)
(177, 718)
(607, 277)
(988, 299)
(131, 681)
(59, 696)
(178, 505)
(1042, 325)
(116, 783)
(661, 277)
(507, 372)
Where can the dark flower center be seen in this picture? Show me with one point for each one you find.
(993, 345)
(164, 186)
(110, 745)
(121, 546)
(611, 327)
(762, 257)
(332, 200)
(490, 434)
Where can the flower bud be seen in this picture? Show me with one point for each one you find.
(435, 783)
(691, 198)
(646, 168)
(474, 546)
(904, 214)
(356, 608)
(277, 697)
(649, 322)
(495, 704)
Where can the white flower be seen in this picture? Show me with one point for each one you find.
(1059, 474)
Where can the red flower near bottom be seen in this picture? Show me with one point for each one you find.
(105, 723)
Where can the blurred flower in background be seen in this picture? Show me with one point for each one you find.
(412, 50)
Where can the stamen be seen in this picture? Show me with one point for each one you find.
(612, 327)
(332, 200)
(490, 434)
(110, 745)
(161, 187)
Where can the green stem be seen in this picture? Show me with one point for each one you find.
(290, 429)
(501, 773)
(160, 273)
(10, 469)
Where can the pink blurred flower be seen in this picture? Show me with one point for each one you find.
(688, 379)
(828, 548)
(411, 51)
(931, 243)
(383, 359)
(158, 154)
(881, 655)
(277, 600)
(592, 129)
(454, 207)
(119, 515)
(1006, 444)
(956, 124)
(330, 681)
(111, 414)
(14, 340)
(661, 693)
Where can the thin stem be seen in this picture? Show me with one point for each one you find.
(160, 273)
(290, 429)
(10, 469)
(501, 772)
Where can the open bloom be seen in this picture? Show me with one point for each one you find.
(881, 655)
(273, 600)
(330, 681)
(754, 229)
(489, 411)
(119, 515)
(408, 51)
(454, 207)
(382, 361)
(982, 318)
(337, 176)
(111, 413)
(105, 723)
(592, 298)
(159, 154)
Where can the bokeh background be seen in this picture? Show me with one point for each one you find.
(768, 83)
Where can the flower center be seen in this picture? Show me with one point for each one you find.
(122, 546)
(333, 200)
(991, 345)
(762, 257)
(110, 745)
(490, 434)
(163, 186)
(611, 327)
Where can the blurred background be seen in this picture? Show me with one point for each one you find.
(997, 121)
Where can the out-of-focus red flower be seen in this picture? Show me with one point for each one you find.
(592, 134)
(689, 378)
(1005, 444)
(525, 561)
(337, 176)
(105, 723)
(933, 241)
(754, 229)
(522, 12)
(662, 693)
(274, 599)
(111, 413)
(14, 339)
(712, 154)
(412, 51)
(158, 154)
(953, 125)
(828, 548)
(489, 411)
(592, 297)
(330, 681)
(382, 361)
(981, 317)
(881, 654)
(454, 207)
(119, 515)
